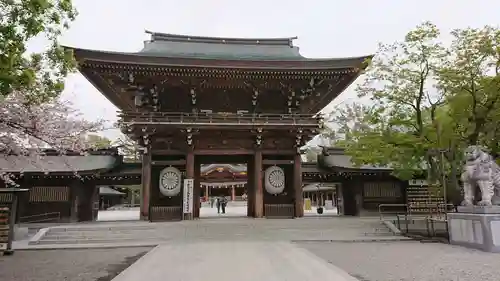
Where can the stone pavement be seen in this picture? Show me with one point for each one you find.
(228, 261)
(219, 248)
(341, 229)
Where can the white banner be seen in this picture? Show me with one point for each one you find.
(187, 202)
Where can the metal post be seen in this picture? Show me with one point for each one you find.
(445, 195)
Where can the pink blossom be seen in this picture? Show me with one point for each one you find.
(26, 128)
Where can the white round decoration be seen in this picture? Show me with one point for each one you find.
(274, 180)
(170, 181)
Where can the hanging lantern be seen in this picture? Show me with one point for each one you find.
(170, 181)
(274, 180)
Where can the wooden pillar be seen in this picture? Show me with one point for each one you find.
(250, 186)
(259, 193)
(73, 195)
(145, 185)
(207, 196)
(233, 194)
(297, 186)
(190, 175)
(197, 188)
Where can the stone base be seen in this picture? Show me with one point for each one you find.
(475, 230)
(479, 209)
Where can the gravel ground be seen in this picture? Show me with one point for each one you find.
(404, 261)
(70, 265)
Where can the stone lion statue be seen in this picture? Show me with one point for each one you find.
(480, 171)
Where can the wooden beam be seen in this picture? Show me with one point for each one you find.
(169, 163)
(167, 152)
(279, 152)
(220, 152)
(277, 162)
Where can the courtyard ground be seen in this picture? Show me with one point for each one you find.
(409, 261)
(68, 265)
(340, 241)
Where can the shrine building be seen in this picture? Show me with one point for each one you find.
(190, 100)
(227, 114)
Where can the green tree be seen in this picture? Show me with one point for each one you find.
(471, 80)
(425, 99)
(395, 129)
(39, 75)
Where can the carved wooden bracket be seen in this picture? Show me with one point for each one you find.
(258, 137)
(193, 96)
(155, 98)
(321, 121)
(299, 141)
(255, 94)
(189, 137)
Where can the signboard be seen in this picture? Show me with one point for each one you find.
(187, 198)
(4, 228)
(417, 183)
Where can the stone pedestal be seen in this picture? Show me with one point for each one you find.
(476, 227)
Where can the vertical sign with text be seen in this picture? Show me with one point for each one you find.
(187, 202)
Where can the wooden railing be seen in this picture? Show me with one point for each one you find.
(165, 213)
(279, 210)
(218, 119)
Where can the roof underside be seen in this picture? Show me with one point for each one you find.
(220, 64)
(335, 158)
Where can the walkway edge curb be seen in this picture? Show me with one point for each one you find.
(391, 227)
(38, 236)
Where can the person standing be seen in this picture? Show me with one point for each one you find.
(217, 204)
(223, 203)
(212, 201)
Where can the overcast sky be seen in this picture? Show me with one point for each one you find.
(325, 28)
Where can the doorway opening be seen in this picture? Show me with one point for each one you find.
(223, 186)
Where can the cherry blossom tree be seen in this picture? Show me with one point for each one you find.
(26, 128)
(55, 124)
(129, 148)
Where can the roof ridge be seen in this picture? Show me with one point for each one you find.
(279, 41)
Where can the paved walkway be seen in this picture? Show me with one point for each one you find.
(228, 261)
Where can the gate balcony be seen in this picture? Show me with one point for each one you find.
(221, 120)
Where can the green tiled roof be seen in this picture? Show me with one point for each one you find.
(184, 46)
(56, 164)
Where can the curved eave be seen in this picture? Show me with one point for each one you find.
(102, 86)
(84, 55)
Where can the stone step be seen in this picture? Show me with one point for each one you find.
(379, 234)
(102, 228)
(101, 236)
(94, 241)
(90, 233)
